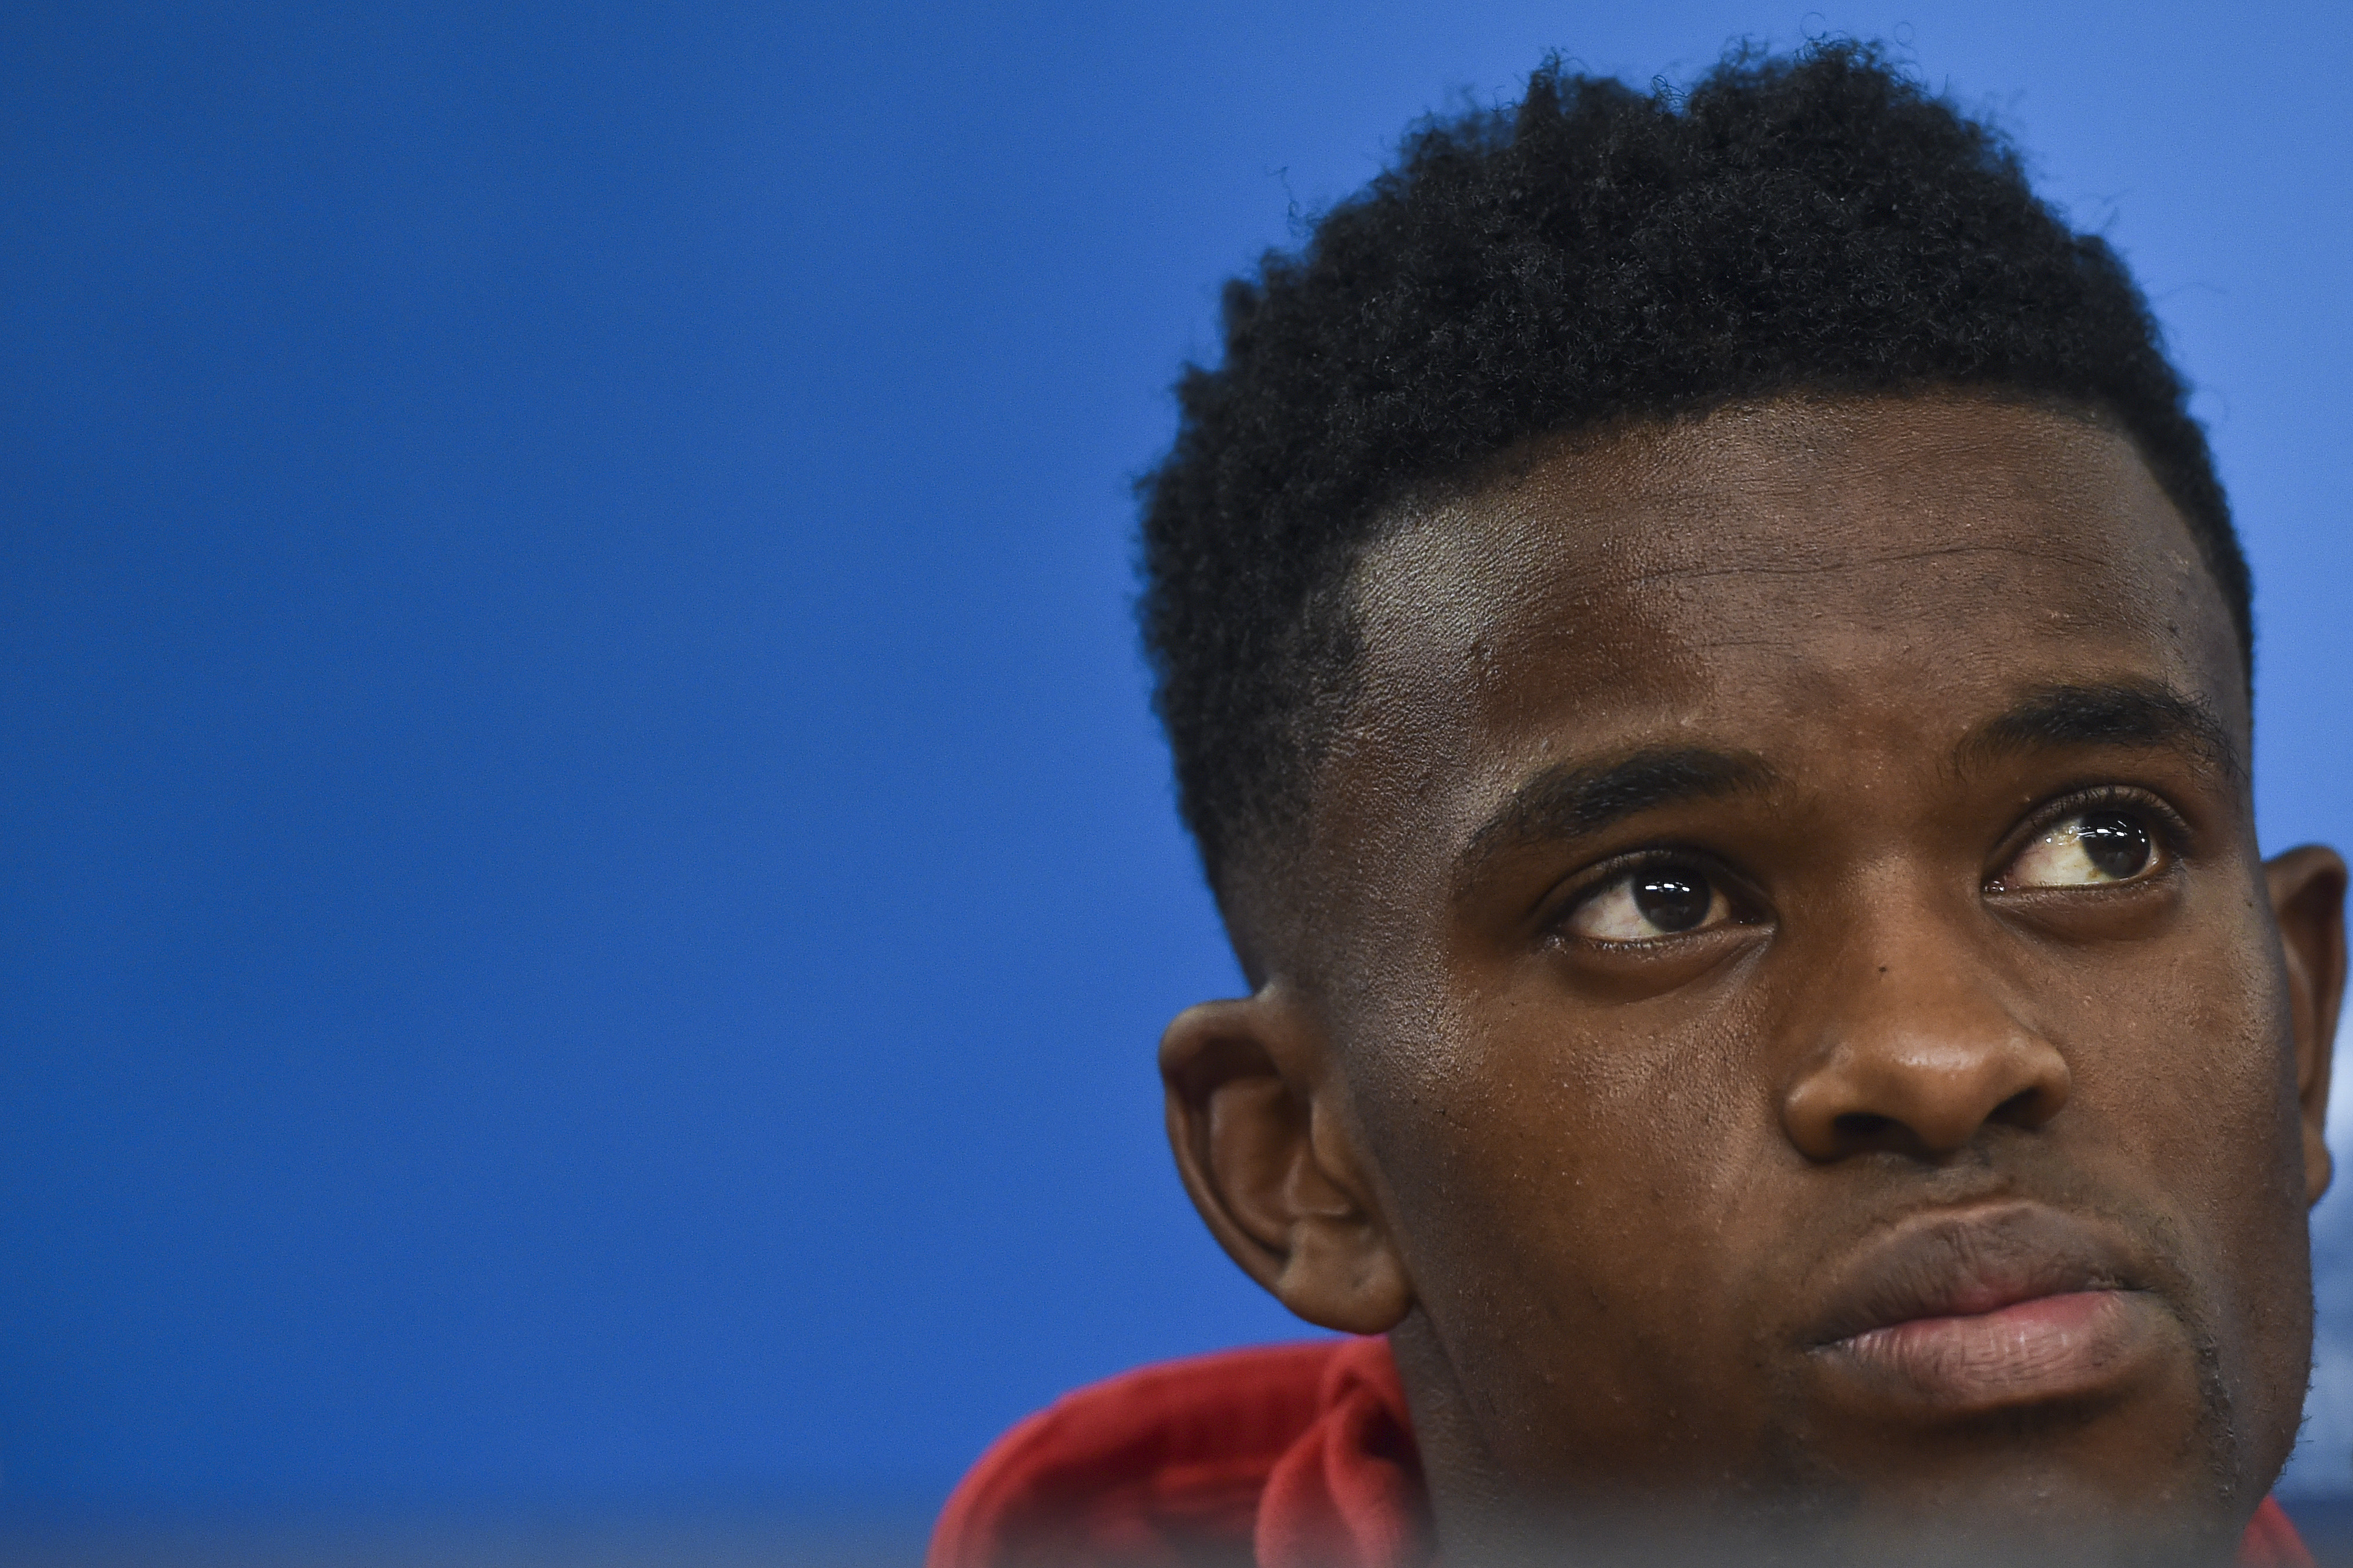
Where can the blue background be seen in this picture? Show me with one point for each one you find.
(589, 884)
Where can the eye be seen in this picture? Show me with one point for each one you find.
(1647, 902)
(2088, 849)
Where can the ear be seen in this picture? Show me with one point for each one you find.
(2307, 892)
(1255, 1119)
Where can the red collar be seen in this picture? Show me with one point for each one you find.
(1297, 1456)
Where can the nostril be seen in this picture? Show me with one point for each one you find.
(2018, 1108)
(1861, 1125)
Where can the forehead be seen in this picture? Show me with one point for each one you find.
(1817, 583)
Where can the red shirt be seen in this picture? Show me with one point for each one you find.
(1288, 1456)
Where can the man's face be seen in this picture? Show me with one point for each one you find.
(1796, 961)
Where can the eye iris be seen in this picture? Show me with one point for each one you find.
(2117, 845)
(1671, 900)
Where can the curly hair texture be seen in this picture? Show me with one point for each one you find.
(1792, 224)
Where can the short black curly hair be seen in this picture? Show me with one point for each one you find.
(1808, 222)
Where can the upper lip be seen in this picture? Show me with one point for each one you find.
(1947, 1265)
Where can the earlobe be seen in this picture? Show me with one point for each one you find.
(1255, 1121)
(2307, 896)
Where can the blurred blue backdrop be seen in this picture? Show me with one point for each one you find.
(589, 884)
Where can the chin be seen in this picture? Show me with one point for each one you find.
(2013, 1520)
(2032, 1487)
(2036, 1496)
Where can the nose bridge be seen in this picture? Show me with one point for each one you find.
(1909, 1042)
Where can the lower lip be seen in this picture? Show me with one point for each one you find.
(2051, 1347)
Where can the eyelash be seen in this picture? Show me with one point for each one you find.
(2167, 826)
(1600, 879)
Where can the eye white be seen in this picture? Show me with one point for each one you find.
(2091, 848)
(1653, 902)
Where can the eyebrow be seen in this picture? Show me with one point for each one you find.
(2144, 715)
(1573, 800)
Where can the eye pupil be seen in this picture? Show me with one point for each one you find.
(2116, 844)
(1672, 900)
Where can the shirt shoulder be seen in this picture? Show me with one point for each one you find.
(1164, 1464)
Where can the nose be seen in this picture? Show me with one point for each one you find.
(1919, 1056)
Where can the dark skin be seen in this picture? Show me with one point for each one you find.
(1776, 1008)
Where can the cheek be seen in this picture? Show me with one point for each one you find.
(2185, 1094)
(1568, 1199)
(2184, 1069)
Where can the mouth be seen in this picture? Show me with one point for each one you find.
(1979, 1312)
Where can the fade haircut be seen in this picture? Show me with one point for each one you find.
(1805, 223)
